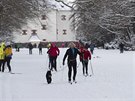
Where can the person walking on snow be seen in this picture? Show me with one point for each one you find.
(92, 48)
(53, 52)
(86, 56)
(121, 46)
(8, 56)
(40, 46)
(71, 55)
(30, 46)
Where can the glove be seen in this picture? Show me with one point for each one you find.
(63, 63)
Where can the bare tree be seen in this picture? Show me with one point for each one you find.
(100, 18)
(15, 13)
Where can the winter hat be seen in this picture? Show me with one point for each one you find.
(8, 43)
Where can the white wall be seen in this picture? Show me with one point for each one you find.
(65, 24)
(52, 25)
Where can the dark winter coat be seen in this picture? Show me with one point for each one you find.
(71, 56)
(30, 46)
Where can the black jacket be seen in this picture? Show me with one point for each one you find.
(70, 54)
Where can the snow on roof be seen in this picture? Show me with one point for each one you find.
(58, 5)
(34, 38)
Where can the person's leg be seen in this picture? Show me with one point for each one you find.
(0, 64)
(3, 65)
(69, 71)
(83, 68)
(8, 64)
(74, 70)
(86, 65)
(51, 62)
(55, 63)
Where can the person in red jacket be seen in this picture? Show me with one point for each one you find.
(86, 56)
(53, 53)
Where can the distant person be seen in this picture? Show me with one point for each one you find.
(48, 45)
(71, 55)
(53, 52)
(121, 47)
(17, 47)
(103, 45)
(8, 56)
(30, 46)
(63, 45)
(92, 46)
(40, 46)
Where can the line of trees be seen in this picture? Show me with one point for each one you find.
(105, 20)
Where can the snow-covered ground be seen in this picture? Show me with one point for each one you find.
(113, 78)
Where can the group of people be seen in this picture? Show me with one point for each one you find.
(5, 56)
(71, 56)
(30, 46)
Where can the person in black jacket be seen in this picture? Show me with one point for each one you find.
(40, 46)
(71, 53)
(121, 46)
(30, 46)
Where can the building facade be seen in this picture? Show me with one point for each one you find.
(55, 26)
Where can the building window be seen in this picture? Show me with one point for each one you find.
(64, 31)
(44, 17)
(44, 39)
(24, 32)
(63, 17)
(33, 32)
(44, 27)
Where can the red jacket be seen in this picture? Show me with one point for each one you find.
(53, 51)
(86, 55)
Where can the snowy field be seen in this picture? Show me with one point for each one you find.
(113, 78)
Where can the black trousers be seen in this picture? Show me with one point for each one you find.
(7, 60)
(85, 67)
(53, 62)
(40, 50)
(30, 51)
(72, 65)
(1, 64)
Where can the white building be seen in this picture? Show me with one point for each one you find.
(55, 26)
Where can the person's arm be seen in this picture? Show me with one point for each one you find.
(65, 56)
(89, 55)
(78, 52)
(58, 51)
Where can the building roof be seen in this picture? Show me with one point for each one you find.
(58, 5)
(34, 38)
